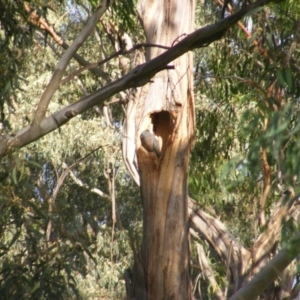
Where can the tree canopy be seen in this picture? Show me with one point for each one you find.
(71, 215)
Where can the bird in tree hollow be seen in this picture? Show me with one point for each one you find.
(149, 142)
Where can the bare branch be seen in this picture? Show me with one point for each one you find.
(230, 251)
(58, 73)
(214, 231)
(288, 282)
(283, 211)
(96, 71)
(208, 273)
(267, 181)
(92, 189)
(116, 54)
(35, 19)
(137, 77)
(270, 272)
(80, 183)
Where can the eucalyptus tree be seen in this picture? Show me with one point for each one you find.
(242, 169)
(159, 131)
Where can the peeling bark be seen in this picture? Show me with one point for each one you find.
(165, 115)
(137, 77)
(244, 264)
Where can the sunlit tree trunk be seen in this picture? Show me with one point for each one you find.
(164, 125)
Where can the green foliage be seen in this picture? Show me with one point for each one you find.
(57, 238)
(124, 11)
(16, 36)
(81, 259)
(247, 99)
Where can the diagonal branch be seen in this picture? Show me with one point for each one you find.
(243, 264)
(116, 54)
(230, 251)
(64, 61)
(98, 192)
(270, 272)
(208, 273)
(261, 249)
(96, 71)
(137, 77)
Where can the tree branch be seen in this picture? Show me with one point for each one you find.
(284, 210)
(137, 77)
(116, 54)
(270, 272)
(58, 73)
(208, 273)
(80, 183)
(96, 71)
(230, 251)
(96, 191)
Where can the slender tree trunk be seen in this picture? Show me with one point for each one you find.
(164, 125)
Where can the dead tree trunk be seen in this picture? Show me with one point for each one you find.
(164, 132)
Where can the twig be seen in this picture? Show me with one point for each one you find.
(58, 73)
(116, 54)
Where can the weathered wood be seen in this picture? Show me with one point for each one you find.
(166, 110)
(137, 77)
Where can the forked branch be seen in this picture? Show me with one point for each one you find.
(137, 77)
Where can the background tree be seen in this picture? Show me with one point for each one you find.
(70, 214)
